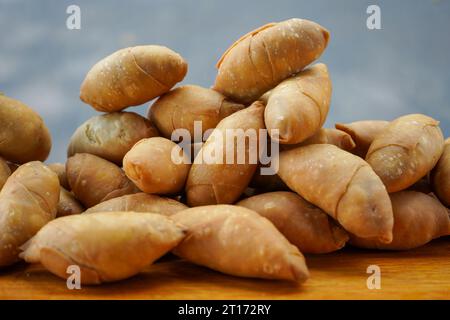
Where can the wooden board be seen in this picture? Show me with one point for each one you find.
(423, 273)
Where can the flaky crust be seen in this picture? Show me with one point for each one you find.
(261, 59)
(273, 182)
(341, 184)
(179, 108)
(106, 246)
(224, 183)
(408, 148)
(157, 165)
(94, 180)
(24, 136)
(110, 136)
(140, 202)
(336, 137)
(418, 219)
(306, 226)
(298, 106)
(363, 133)
(132, 76)
(240, 242)
(28, 201)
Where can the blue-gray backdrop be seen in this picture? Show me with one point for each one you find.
(379, 74)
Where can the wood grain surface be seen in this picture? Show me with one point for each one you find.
(423, 273)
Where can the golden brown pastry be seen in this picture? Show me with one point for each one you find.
(179, 108)
(28, 201)
(264, 57)
(157, 165)
(363, 133)
(223, 183)
(306, 226)
(418, 219)
(110, 136)
(273, 182)
(406, 150)
(140, 202)
(238, 241)
(23, 135)
(106, 246)
(132, 76)
(94, 180)
(336, 137)
(341, 184)
(298, 106)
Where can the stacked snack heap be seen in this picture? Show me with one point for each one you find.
(128, 193)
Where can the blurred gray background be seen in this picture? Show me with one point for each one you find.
(379, 74)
